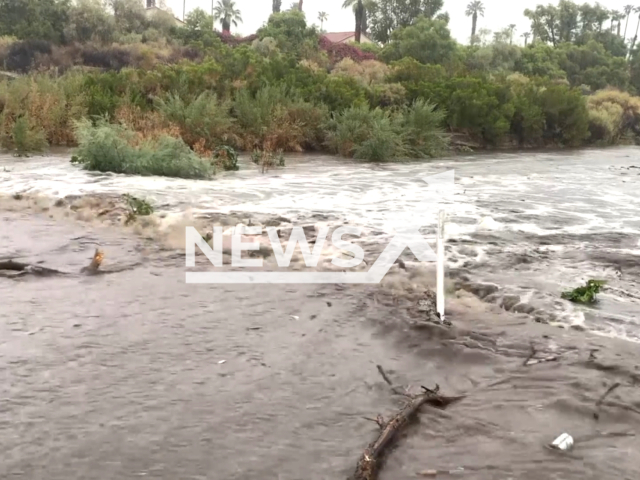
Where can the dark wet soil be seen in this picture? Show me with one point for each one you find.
(136, 374)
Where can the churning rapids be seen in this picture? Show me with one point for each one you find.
(122, 375)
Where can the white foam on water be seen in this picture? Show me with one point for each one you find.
(490, 190)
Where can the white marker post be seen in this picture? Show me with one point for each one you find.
(440, 266)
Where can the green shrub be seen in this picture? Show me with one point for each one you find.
(339, 92)
(361, 132)
(25, 138)
(422, 128)
(566, 115)
(138, 207)
(387, 95)
(203, 119)
(266, 159)
(384, 142)
(586, 294)
(112, 148)
(276, 118)
(226, 158)
(613, 115)
(605, 123)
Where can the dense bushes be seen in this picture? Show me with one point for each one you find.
(613, 116)
(379, 135)
(113, 148)
(199, 94)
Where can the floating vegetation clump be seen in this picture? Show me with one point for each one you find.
(586, 294)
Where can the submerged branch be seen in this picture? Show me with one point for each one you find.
(368, 464)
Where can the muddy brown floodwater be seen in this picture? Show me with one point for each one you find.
(136, 374)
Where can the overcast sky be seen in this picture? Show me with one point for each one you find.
(498, 14)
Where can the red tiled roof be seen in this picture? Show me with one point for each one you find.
(338, 37)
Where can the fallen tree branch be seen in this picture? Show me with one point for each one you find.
(596, 414)
(28, 268)
(384, 375)
(531, 355)
(368, 464)
(13, 266)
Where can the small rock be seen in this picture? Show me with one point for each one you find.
(523, 308)
(510, 301)
(480, 290)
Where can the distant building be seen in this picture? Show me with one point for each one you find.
(345, 37)
(153, 9)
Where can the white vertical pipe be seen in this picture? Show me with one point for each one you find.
(440, 266)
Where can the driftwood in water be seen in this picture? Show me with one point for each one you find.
(369, 462)
(13, 266)
(27, 268)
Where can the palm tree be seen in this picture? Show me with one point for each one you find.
(627, 10)
(526, 36)
(323, 17)
(360, 14)
(227, 14)
(635, 37)
(511, 28)
(300, 5)
(474, 9)
(276, 5)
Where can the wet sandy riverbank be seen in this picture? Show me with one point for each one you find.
(120, 375)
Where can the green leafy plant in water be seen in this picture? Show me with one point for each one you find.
(226, 158)
(586, 294)
(138, 207)
(266, 159)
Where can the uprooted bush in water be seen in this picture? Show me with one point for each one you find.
(138, 207)
(114, 148)
(586, 294)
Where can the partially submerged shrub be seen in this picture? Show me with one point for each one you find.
(267, 159)
(25, 137)
(378, 135)
(226, 158)
(586, 294)
(365, 133)
(113, 148)
(138, 207)
(422, 127)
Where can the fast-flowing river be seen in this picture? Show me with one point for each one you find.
(136, 374)
(534, 224)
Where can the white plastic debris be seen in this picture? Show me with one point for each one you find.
(293, 317)
(221, 362)
(563, 442)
